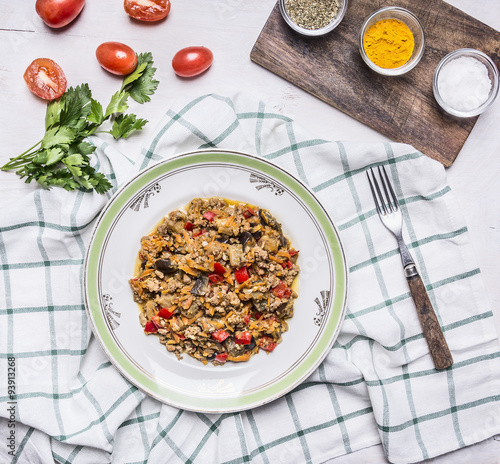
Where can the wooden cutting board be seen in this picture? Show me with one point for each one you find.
(402, 108)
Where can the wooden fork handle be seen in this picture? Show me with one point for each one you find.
(438, 347)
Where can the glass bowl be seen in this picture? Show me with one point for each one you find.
(408, 18)
(315, 32)
(492, 74)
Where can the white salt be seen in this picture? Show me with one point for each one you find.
(464, 83)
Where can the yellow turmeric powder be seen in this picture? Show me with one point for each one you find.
(389, 43)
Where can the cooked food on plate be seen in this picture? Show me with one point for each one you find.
(216, 281)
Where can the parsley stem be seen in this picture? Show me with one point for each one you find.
(21, 159)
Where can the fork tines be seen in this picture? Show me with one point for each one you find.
(387, 201)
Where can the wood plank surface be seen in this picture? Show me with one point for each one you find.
(403, 108)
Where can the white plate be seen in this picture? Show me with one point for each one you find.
(188, 384)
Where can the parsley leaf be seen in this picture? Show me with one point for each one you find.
(61, 158)
(123, 125)
(58, 136)
(118, 104)
(144, 84)
(95, 115)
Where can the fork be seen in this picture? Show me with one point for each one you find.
(389, 212)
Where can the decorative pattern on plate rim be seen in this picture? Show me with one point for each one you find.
(322, 306)
(265, 183)
(109, 312)
(144, 197)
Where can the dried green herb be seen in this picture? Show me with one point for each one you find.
(312, 14)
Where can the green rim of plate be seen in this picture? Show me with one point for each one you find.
(209, 404)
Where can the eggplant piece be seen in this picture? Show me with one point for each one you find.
(165, 266)
(269, 243)
(257, 235)
(223, 239)
(260, 304)
(283, 241)
(251, 345)
(233, 348)
(175, 221)
(246, 238)
(235, 253)
(191, 311)
(285, 310)
(267, 219)
(200, 285)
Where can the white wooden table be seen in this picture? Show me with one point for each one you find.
(230, 28)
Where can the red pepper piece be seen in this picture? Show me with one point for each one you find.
(257, 315)
(246, 319)
(281, 290)
(220, 335)
(219, 268)
(248, 213)
(293, 252)
(243, 338)
(267, 343)
(150, 328)
(241, 274)
(181, 336)
(165, 313)
(215, 278)
(221, 357)
(209, 216)
(156, 321)
(189, 226)
(201, 231)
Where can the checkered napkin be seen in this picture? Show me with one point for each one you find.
(68, 404)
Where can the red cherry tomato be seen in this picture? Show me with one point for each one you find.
(45, 79)
(191, 61)
(58, 13)
(116, 57)
(147, 10)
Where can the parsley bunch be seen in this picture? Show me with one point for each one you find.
(62, 157)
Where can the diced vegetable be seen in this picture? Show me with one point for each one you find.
(165, 313)
(220, 335)
(219, 268)
(248, 213)
(241, 274)
(221, 357)
(165, 266)
(209, 216)
(243, 338)
(215, 278)
(189, 226)
(267, 343)
(150, 328)
(281, 290)
(156, 320)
